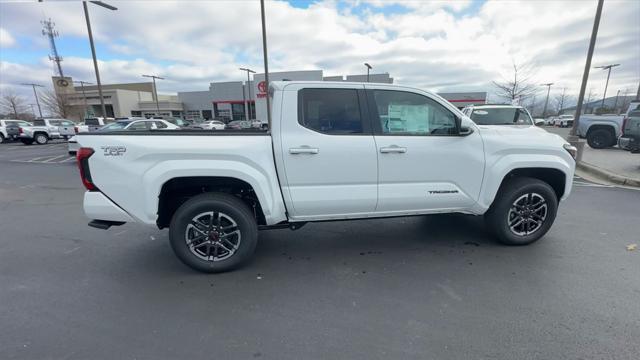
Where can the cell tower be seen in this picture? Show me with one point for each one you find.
(52, 34)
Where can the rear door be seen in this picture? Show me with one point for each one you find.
(423, 164)
(328, 153)
(53, 128)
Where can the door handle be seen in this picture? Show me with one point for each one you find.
(393, 149)
(304, 150)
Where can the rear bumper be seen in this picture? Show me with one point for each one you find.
(73, 147)
(99, 207)
(623, 142)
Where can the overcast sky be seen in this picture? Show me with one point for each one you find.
(442, 46)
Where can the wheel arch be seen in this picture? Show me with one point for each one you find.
(557, 173)
(178, 190)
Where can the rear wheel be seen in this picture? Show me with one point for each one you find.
(523, 211)
(27, 141)
(213, 232)
(41, 138)
(600, 138)
(1, 138)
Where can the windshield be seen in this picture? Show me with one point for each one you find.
(501, 116)
(115, 126)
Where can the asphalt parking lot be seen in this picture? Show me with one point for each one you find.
(429, 287)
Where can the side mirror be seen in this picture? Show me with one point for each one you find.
(465, 131)
(539, 122)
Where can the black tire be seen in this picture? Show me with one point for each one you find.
(1, 138)
(600, 138)
(499, 216)
(41, 138)
(227, 207)
(27, 141)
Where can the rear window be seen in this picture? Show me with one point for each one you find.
(330, 111)
(92, 122)
(39, 123)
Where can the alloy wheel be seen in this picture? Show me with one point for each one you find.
(527, 214)
(213, 236)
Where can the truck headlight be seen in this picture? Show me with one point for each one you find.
(572, 150)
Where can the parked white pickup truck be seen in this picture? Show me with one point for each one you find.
(602, 131)
(44, 130)
(335, 151)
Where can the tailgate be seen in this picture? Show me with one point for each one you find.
(13, 130)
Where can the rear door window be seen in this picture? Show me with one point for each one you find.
(330, 111)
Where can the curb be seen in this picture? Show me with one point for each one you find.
(607, 175)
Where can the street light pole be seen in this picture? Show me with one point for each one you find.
(572, 138)
(155, 90)
(368, 68)
(606, 67)
(93, 49)
(84, 95)
(615, 105)
(266, 63)
(35, 93)
(248, 102)
(546, 102)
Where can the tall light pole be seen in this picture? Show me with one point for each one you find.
(248, 102)
(608, 68)
(546, 102)
(93, 49)
(368, 68)
(84, 95)
(155, 90)
(572, 138)
(266, 63)
(35, 93)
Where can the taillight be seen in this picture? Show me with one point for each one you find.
(83, 156)
(20, 131)
(624, 124)
(75, 129)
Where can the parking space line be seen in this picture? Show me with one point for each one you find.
(55, 158)
(72, 158)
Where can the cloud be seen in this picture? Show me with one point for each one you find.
(6, 40)
(445, 46)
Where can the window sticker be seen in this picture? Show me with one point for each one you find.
(407, 118)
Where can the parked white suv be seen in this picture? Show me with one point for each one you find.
(335, 151)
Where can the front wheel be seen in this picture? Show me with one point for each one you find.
(213, 232)
(523, 211)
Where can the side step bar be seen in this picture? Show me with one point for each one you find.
(104, 224)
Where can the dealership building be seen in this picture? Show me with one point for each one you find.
(228, 101)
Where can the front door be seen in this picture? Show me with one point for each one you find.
(423, 164)
(329, 154)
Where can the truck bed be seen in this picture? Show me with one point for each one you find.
(130, 167)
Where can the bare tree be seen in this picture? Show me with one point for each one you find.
(58, 104)
(519, 84)
(592, 95)
(14, 104)
(561, 100)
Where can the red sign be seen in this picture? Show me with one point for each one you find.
(262, 87)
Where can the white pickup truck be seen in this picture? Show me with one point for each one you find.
(335, 151)
(603, 131)
(44, 130)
